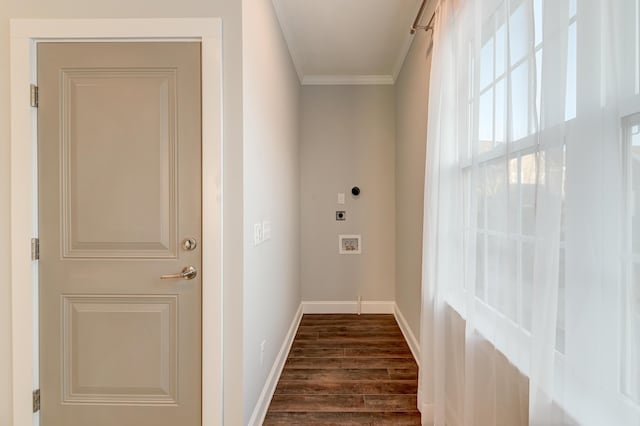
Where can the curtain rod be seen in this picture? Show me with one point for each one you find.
(415, 25)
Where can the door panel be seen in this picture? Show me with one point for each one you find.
(92, 145)
(119, 153)
(105, 331)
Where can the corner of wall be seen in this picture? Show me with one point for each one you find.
(414, 343)
(412, 99)
(271, 279)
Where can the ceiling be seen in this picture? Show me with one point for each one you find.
(347, 41)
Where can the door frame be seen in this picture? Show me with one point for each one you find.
(24, 36)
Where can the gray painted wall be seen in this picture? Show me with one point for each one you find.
(271, 93)
(230, 11)
(348, 139)
(412, 93)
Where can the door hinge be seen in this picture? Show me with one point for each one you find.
(36, 400)
(35, 248)
(34, 96)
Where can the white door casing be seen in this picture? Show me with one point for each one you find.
(25, 34)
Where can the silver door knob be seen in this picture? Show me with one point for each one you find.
(188, 273)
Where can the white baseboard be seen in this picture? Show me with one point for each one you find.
(414, 345)
(348, 307)
(260, 410)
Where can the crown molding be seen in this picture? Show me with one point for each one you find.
(334, 80)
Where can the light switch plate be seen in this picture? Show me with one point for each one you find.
(257, 233)
(266, 230)
(340, 197)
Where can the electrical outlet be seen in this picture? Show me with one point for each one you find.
(257, 233)
(266, 230)
(264, 342)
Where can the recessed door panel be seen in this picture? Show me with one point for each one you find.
(136, 207)
(105, 360)
(119, 171)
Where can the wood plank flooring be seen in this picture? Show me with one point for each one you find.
(347, 370)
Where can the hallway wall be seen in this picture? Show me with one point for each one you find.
(230, 11)
(412, 98)
(271, 93)
(348, 139)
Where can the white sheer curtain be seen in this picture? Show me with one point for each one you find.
(531, 267)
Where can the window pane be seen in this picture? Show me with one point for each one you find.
(472, 71)
(508, 294)
(563, 208)
(485, 122)
(514, 197)
(537, 16)
(635, 186)
(573, 8)
(497, 196)
(538, 80)
(637, 38)
(528, 181)
(500, 49)
(500, 113)
(481, 188)
(540, 168)
(526, 272)
(486, 64)
(630, 320)
(520, 101)
(480, 266)
(501, 275)
(560, 324)
(494, 271)
(518, 34)
(467, 188)
(630, 373)
(571, 99)
(470, 132)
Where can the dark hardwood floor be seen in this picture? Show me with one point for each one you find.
(347, 370)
